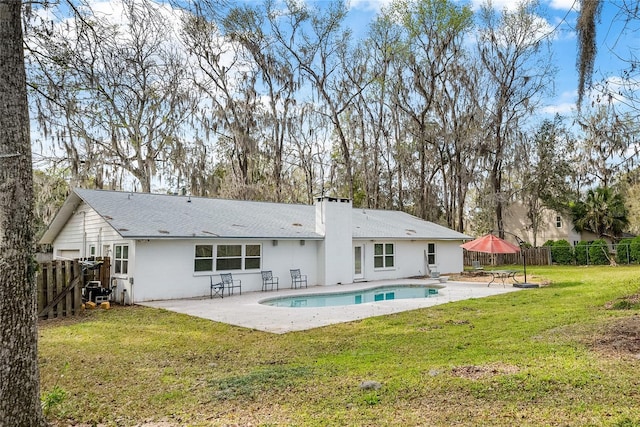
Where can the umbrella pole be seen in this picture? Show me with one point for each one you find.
(524, 261)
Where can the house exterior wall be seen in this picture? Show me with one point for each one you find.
(410, 259)
(516, 222)
(165, 268)
(86, 229)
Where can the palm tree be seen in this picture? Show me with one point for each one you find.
(603, 213)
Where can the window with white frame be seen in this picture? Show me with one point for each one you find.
(383, 255)
(227, 257)
(431, 253)
(558, 221)
(121, 259)
(204, 258)
(252, 257)
(92, 250)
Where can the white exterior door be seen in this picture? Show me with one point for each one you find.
(358, 262)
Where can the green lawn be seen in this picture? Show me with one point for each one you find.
(548, 356)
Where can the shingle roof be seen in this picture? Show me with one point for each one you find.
(373, 223)
(152, 216)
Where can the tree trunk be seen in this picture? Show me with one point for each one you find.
(19, 377)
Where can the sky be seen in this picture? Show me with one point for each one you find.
(561, 16)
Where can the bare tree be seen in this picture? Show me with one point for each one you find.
(319, 47)
(19, 378)
(374, 113)
(460, 114)
(518, 68)
(244, 25)
(309, 155)
(228, 80)
(113, 94)
(432, 37)
(609, 145)
(545, 172)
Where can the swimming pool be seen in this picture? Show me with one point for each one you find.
(382, 293)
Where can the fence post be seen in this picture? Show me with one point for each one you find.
(50, 288)
(77, 291)
(40, 272)
(67, 280)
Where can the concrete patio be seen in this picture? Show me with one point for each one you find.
(246, 311)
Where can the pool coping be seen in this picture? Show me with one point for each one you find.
(246, 311)
(342, 291)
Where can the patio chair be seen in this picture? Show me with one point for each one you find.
(217, 289)
(298, 279)
(229, 283)
(269, 280)
(476, 266)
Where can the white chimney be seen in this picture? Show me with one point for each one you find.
(334, 217)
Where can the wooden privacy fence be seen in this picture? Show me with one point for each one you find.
(59, 285)
(535, 256)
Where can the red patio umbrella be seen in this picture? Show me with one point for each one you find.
(491, 244)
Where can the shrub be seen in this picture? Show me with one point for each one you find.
(580, 252)
(598, 252)
(562, 252)
(635, 249)
(623, 251)
(548, 243)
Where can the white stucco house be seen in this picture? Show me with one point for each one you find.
(166, 246)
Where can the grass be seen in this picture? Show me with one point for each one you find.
(523, 358)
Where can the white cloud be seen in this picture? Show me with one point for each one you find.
(564, 4)
(563, 108)
(565, 105)
(369, 5)
(544, 29)
(509, 5)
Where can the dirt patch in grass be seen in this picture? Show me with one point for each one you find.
(474, 372)
(620, 338)
(624, 303)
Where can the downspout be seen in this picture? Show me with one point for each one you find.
(99, 248)
(83, 254)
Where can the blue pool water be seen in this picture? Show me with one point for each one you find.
(354, 297)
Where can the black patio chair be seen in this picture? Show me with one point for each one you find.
(269, 280)
(217, 289)
(298, 279)
(229, 283)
